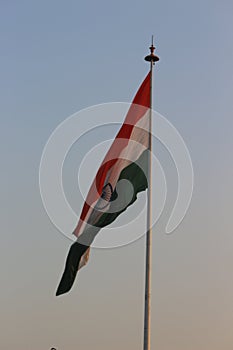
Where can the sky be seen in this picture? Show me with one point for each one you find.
(59, 57)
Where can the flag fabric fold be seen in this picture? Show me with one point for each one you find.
(110, 193)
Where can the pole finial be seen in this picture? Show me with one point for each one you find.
(152, 57)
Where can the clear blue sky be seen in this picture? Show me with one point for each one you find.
(59, 57)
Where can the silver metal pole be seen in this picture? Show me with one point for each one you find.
(147, 309)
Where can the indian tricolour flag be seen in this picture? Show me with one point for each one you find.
(109, 195)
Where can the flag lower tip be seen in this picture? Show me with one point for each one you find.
(61, 291)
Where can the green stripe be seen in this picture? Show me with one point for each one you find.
(136, 174)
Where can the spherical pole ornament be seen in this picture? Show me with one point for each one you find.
(152, 57)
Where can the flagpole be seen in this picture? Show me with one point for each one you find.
(152, 58)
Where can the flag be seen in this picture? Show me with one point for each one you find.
(110, 195)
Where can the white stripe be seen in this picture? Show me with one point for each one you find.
(137, 144)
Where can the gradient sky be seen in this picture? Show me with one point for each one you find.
(58, 57)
